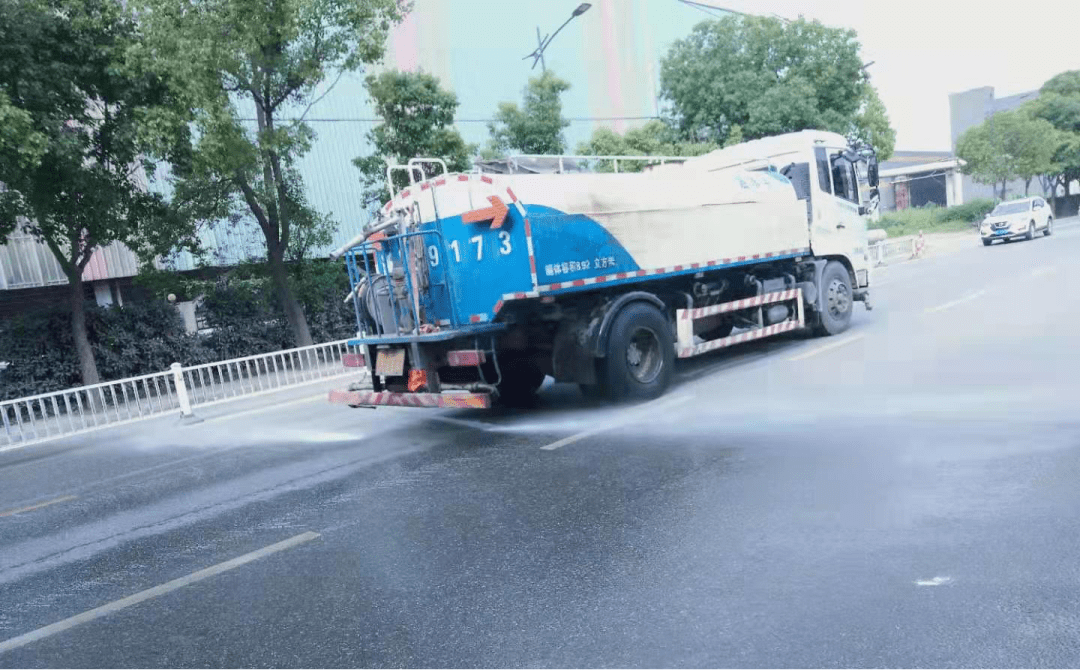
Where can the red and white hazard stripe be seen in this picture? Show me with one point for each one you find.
(775, 329)
(672, 269)
(734, 305)
(507, 297)
(532, 255)
(418, 188)
(388, 398)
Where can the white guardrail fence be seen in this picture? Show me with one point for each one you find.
(881, 253)
(49, 416)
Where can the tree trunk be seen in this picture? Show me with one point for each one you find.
(289, 304)
(1027, 185)
(87, 364)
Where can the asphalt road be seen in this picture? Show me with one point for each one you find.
(904, 494)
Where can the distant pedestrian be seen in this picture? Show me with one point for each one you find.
(919, 246)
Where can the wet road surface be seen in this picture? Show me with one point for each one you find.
(904, 494)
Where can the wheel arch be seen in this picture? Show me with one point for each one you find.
(819, 269)
(603, 328)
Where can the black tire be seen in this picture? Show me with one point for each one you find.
(1049, 227)
(1031, 231)
(592, 391)
(987, 243)
(640, 354)
(835, 317)
(521, 379)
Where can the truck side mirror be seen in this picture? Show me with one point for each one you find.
(872, 171)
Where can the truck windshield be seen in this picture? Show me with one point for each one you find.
(1011, 208)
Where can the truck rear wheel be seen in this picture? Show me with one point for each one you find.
(640, 354)
(835, 314)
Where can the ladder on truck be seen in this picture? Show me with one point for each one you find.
(685, 346)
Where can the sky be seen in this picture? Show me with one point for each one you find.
(924, 50)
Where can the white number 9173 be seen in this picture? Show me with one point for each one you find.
(505, 248)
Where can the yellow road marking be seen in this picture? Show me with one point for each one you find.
(30, 508)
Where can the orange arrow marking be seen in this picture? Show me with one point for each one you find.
(374, 240)
(496, 213)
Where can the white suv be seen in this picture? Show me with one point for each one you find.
(1015, 219)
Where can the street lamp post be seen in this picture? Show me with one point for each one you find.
(543, 42)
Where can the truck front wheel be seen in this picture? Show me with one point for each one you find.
(640, 354)
(836, 301)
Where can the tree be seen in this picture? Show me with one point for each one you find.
(871, 126)
(734, 137)
(655, 138)
(1008, 145)
(21, 146)
(270, 59)
(536, 127)
(1059, 104)
(765, 77)
(74, 155)
(417, 121)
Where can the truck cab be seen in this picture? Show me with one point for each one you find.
(826, 173)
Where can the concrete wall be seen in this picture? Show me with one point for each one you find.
(970, 108)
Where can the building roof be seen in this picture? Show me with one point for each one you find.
(919, 168)
(1012, 101)
(902, 159)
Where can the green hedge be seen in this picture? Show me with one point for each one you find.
(127, 341)
(935, 219)
(146, 337)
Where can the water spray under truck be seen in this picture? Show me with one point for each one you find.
(470, 288)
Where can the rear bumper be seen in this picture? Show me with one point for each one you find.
(390, 399)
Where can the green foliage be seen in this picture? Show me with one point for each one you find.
(655, 138)
(21, 145)
(1066, 84)
(969, 212)
(244, 317)
(767, 77)
(536, 127)
(418, 117)
(734, 137)
(1059, 104)
(127, 341)
(230, 58)
(1008, 145)
(935, 219)
(240, 306)
(76, 101)
(76, 154)
(146, 337)
(871, 126)
(41, 354)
